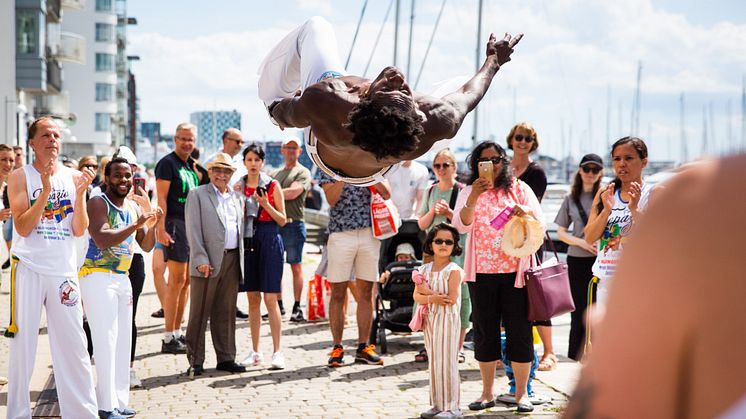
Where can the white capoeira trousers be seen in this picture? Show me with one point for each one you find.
(72, 368)
(107, 297)
(283, 72)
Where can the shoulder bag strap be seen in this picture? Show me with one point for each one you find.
(581, 210)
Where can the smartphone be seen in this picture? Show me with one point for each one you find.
(261, 191)
(485, 170)
(139, 182)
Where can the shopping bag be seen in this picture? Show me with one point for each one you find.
(384, 216)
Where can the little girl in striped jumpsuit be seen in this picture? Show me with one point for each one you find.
(438, 288)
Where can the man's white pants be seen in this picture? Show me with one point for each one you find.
(108, 306)
(282, 72)
(72, 367)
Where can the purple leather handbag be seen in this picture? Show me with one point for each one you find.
(548, 290)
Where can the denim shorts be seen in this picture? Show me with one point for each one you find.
(293, 238)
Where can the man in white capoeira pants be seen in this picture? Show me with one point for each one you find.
(115, 223)
(356, 128)
(49, 208)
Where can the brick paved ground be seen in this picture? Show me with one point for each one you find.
(306, 388)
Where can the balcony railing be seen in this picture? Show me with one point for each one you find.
(54, 77)
(70, 49)
(73, 4)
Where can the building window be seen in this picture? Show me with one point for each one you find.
(104, 92)
(103, 121)
(104, 32)
(26, 32)
(104, 62)
(104, 5)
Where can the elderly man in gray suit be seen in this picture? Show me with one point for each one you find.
(214, 224)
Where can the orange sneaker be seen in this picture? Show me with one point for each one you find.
(368, 355)
(336, 358)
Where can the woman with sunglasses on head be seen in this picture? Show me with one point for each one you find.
(495, 279)
(580, 254)
(437, 207)
(523, 140)
(616, 208)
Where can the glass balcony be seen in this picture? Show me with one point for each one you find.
(73, 4)
(70, 49)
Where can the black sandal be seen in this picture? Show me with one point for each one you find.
(421, 356)
(481, 405)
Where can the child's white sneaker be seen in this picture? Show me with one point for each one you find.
(253, 359)
(278, 361)
(449, 414)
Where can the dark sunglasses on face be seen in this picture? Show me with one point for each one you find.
(519, 137)
(494, 160)
(588, 169)
(91, 166)
(437, 166)
(447, 242)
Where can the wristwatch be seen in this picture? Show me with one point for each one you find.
(270, 108)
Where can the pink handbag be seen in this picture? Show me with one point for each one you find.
(548, 290)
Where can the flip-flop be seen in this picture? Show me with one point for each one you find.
(481, 405)
(461, 358)
(548, 362)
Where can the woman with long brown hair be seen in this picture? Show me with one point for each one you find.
(580, 254)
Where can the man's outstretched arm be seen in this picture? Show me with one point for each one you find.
(465, 99)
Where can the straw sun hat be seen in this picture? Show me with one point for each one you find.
(522, 236)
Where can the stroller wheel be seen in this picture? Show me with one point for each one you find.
(382, 340)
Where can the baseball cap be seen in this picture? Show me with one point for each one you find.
(405, 249)
(289, 140)
(591, 159)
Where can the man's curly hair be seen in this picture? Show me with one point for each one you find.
(385, 131)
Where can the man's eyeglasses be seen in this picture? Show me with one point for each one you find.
(221, 171)
(494, 160)
(521, 138)
(438, 166)
(589, 169)
(447, 242)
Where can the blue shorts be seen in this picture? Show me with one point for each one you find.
(293, 238)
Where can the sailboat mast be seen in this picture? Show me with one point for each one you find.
(478, 55)
(396, 31)
(411, 31)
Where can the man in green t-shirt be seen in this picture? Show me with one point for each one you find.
(296, 182)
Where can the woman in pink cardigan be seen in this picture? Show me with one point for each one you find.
(496, 279)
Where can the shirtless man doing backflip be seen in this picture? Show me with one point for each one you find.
(356, 128)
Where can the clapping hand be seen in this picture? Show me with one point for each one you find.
(635, 192)
(84, 181)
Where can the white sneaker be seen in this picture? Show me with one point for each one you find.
(134, 381)
(253, 359)
(278, 361)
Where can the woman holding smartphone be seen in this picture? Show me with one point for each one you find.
(263, 252)
(495, 282)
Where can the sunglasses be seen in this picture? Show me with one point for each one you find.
(238, 141)
(90, 166)
(521, 138)
(447, 242)
(588, 169)
(438, 166)
(494, 160)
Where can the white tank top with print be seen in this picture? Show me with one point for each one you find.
(617, 231)
(50, 247)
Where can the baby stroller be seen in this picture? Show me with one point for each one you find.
(393, 305)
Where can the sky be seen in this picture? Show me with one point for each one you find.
(573, 76)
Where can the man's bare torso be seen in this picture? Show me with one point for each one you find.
(333, 99)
